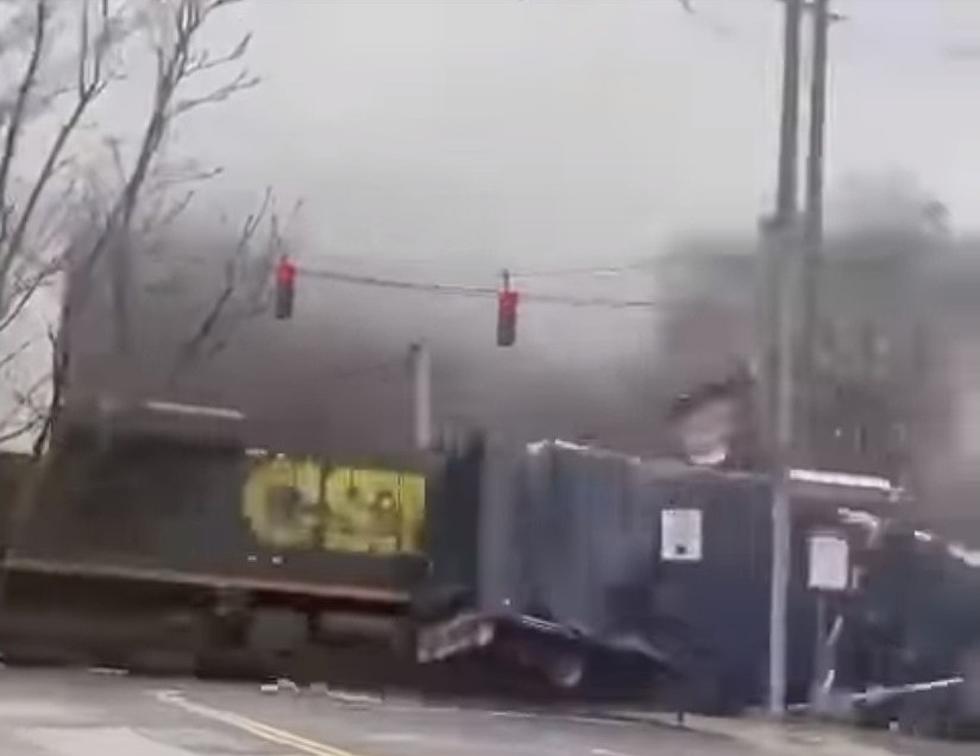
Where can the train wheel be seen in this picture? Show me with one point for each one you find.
(42, 654)
(277, 630)
(162, 662)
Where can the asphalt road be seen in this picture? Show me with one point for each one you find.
(81, 713)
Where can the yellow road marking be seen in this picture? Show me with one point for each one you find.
(251, 726)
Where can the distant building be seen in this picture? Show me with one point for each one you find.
(896, 386)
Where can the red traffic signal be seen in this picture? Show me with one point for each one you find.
(285, 288)
(506, 318)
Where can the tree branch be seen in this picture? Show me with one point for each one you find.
(59, 376)
(14, 354)
(204, 62)
(172, 70)
(14, 124)
(23, 400)
(90, 55)
(241, 82)
(20, 430)
(256, 297)
(86, 97)
(22, 297)
(191, 348)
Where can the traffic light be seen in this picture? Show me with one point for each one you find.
(506, 317)
(285, 288)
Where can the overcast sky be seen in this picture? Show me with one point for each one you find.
(507, 131)
(451, 139)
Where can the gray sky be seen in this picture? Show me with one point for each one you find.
(506, 131)
(447, 140)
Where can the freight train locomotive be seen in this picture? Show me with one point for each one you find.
(154, 527)
(155, 532)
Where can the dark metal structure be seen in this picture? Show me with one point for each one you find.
(601, 570)
(587, 557)
(157, 515)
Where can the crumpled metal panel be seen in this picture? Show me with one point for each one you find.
(572, 535)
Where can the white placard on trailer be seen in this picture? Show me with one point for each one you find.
(829, 562)
(680, 535)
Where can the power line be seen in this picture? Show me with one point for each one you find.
(447, 262)
(482, 292)
(600, 270)
(391, 283)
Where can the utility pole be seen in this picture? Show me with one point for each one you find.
(812, 252)
(789, 124)
(421, 395)
(780, 246)
(813, 212)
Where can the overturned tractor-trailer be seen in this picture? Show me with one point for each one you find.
(590, 561)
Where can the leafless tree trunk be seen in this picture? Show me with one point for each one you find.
(244, 292)
(24, 271)
(22, 274)
(175, 65)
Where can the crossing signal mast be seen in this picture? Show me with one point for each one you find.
(507, 300)
(285, 288)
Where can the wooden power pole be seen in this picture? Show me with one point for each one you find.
(781, 244)
(813, 215)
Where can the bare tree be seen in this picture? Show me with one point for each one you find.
(57, 219)
(29, 256)
(42, 209)
(176, 64)
(244, 291)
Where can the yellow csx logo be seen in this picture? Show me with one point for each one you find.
(293, 503)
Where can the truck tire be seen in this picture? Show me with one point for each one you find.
(703, 690)
(926, 715)
(566, 670)
(967, 696)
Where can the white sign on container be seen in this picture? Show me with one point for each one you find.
(830, 563)
(680, 535)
